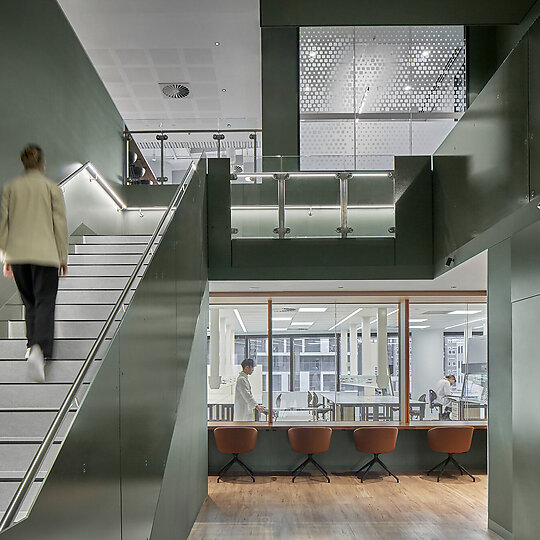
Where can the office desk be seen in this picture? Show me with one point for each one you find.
(376, 407)
(461, 408)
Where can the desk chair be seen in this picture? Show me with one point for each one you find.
(309, 441)
(375, 440)
(235, 441)
(452, 440)
(321, 409)
(432, 404)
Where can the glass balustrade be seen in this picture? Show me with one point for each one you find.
(282, 200)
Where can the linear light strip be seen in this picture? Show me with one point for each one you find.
(346, 318)
(307, 207)
(388, 315)
(105, 186)
(465, 323)
(312, 174)
(237, 313)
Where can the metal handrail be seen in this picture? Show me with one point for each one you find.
(74, 174)
(129, 132)
(32, 471)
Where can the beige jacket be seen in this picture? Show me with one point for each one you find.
(33, 227)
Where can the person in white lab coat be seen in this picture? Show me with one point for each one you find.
(244, 402)
(443, 391)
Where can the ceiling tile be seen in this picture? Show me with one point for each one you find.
(146, 90)
(179, 104)
(132, 57)
(202, 74)
(126, 105)
(198, 56)
(152, 105)
(139, 74)
(165, 57)
(204, 90)
(101, 57)
(170, 74)
(110, 74)
(208, 104)
(118, 90)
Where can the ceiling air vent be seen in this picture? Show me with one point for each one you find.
(175, 90)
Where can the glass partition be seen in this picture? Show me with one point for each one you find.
(290, 203)
(448, 361)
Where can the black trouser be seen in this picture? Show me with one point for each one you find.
(38, 286)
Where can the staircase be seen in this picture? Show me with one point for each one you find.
(98, 270)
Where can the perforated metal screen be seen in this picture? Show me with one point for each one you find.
(379, 91)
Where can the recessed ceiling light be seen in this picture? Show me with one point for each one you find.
(313, 54)
(417, 320)
(312, 310)
(465, 312)
(281, 318)
(465, 323)
(346, 318)
(419, 327)
(217, 43)
(340, 287)
(426, 53)
(223, 89)
(279, 329)
(407, 88)
(302, 323)
(253, 288)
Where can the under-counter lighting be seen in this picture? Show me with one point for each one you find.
(237, 313)
(346, 318)
(312, 310)
(466, 323)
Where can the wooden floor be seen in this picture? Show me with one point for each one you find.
(416, 508)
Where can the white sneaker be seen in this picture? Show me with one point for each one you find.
(36, 364)
(27, 353)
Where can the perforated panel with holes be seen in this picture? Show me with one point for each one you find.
(379, 91)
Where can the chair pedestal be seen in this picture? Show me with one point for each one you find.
(444, 463)
(234, 460)
(370, 464)
(302, 465)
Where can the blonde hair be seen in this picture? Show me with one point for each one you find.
(32, 156)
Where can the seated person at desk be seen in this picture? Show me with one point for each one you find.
(443, 391)
(244, 402)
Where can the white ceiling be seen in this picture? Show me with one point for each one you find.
(468, 276)
(136, 44)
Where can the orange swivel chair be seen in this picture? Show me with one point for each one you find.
(309, 440)
(375, 440)
(452, 440)
(235, 440)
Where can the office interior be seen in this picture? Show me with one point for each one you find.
(228, 166)
(317, 375)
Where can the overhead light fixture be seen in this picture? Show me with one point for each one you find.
(237, 313)
(312, 310)
(465, 312)
(407, 88)
(313, 54)
(426, 53)
(217, 43)
(465, 323)
(223, 89)
(301, 323)
(419, 327)
(281, 318)
(387, 315)
(417, 320)
(279, 329)
(346, 318)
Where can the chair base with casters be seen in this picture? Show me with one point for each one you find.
(370, 464)
(234, 460)
(444, 463)
(308, 460)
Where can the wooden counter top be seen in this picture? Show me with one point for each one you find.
(477, 424)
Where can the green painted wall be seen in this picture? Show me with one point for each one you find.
(390, 12)
(280, 98)
(412, 453)
(52, 96)
(500, 385)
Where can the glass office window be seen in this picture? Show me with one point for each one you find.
(448, 340)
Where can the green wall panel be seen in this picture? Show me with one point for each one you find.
(280, 99)
(51, 95)
(390, 12)
(481, 171)
(500, 384)
(534, 108)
